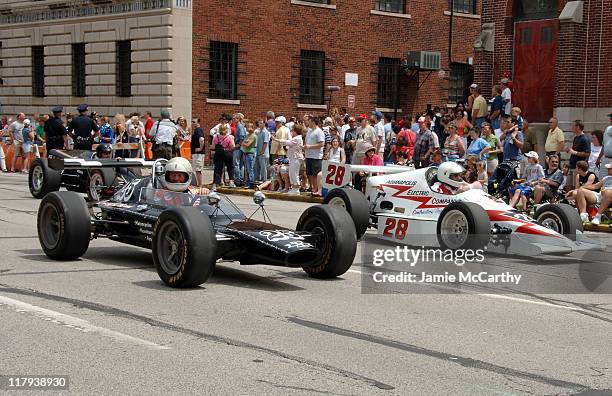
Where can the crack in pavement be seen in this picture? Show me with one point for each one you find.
(195, 333)
(77, 271)
(299, 388)
(447, 357)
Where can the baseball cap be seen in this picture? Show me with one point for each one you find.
(280, 119)
(82, 107)
(532, 154)
(610, 115)
(505, 81)
(474, 86)
(165, 114)
(377, 114)
(26, 121)
(609, 166)
(421, 119)
(362, 116)
(57, 109)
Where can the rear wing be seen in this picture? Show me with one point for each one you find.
(60, 164)
(337, 175)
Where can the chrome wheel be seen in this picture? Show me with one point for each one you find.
(552, 221)
(95, 182)
(454, 229)
(37, 178)
(172, 249)
(51, 227)
(337, 201)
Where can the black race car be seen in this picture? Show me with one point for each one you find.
(65, 169)
(188, 232)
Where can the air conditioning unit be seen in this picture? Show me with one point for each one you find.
(424, 60)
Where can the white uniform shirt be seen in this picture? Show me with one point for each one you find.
(165, 133)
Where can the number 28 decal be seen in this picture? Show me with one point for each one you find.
(395, 228)
(335, 174)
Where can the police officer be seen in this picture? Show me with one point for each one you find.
(55, 132)
(82, 127)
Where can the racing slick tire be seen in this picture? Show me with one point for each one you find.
(64, 225)
(338, 243)
(561, 218)
(463, 225)
(355, 203)
(184, 247)
(42, 179)
(98, 178)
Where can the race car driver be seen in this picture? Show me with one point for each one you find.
(177, 177)
(450, 180)
(104, 151)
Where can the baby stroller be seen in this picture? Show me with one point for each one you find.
(502, 177)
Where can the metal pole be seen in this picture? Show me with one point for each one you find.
(396, 93)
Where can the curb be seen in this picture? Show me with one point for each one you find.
(598, 228)
(270, 195)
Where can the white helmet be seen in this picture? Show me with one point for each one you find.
(447, 170)
(178, 164)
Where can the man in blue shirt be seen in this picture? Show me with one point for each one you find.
(237, 156)
(512, 139)
(497, 108)
(262, 154)
(580, 150)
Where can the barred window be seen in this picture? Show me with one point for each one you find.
(78, 69)
(123, 68)
(463, 6)
(388, 78)
(38, 71)
(222, 81)
(398, 6)
(461, 78)
(312, 77)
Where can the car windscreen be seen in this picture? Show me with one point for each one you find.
(166, 199)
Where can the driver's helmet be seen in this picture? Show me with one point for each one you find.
(450, 173)
(178, 165)
(102, 149)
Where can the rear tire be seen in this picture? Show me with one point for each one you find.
(184, 247)
(96, 179)
(42, 180)
(463, 225)
(64, 225)
(355, 203)
(560, 217)
(338, 242)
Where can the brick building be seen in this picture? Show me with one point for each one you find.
(281, 55)
(558, 54)
(118, 57)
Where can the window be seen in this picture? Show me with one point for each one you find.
(38, 71)
(312, 77)
(391, 6)
(388, 79)
(526, 36)
(78, 69)
(525, 10)
(222, 71)
(546, 35)
(463, 6)
(461, 78)
(123, 68)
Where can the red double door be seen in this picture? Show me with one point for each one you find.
(535, 51)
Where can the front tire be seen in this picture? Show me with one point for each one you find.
(355, 203)
(42, 180)
(64, 225)
(561, 218)
(338, 242)
(184, 247)
(463, 225)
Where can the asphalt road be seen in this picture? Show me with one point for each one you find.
(109, 323)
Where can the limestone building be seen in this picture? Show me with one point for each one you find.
(118, 57)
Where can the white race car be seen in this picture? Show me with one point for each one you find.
(401, 204)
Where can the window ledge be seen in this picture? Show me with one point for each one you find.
(462, 15)
(391, 14)
(310, 4)
(388, 110)
(311, 106)
(223, 101)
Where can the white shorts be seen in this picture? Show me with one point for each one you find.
(197, 162)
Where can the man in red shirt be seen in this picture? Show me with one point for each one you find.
(148, 123)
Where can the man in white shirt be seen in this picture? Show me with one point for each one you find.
(15, 130)
(380, 132)
(163, 132)
(313, 148)
(506, 96)
(605, 155)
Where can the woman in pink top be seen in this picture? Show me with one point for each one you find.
(371, 158)
(295, 155)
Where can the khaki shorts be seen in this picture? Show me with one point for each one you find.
(18, 149)
(197, 162)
